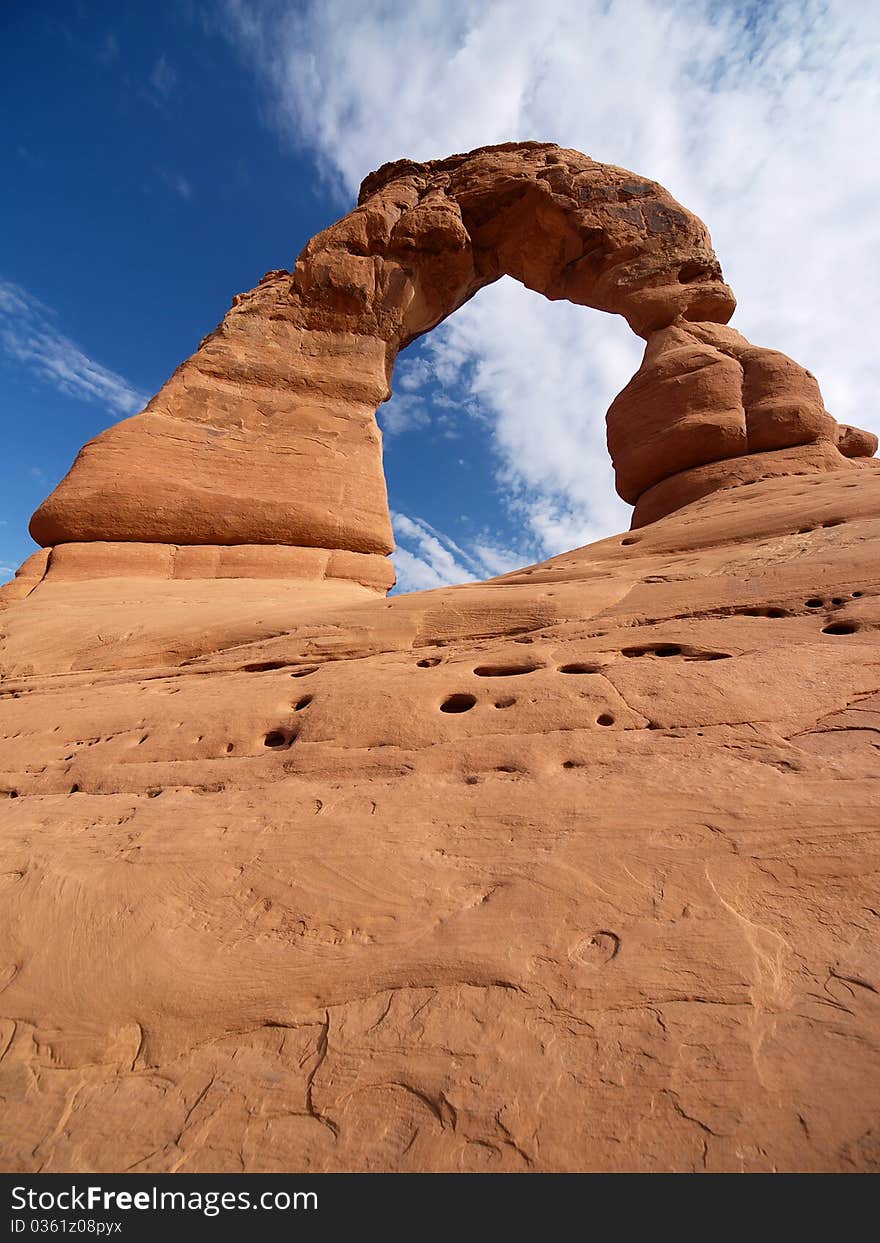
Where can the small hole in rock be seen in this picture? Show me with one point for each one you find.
(460, 702)
(572, 764)
(153, 793)
(813, 603)
(13, 793)
(605, 719)
(667, 649)
(277, 738)
(302, 703)
(504, 671)
(262, 666)
(74, 789)
(471, 781)
(836, 600)
(507, 768)
(629, 540)
(230, 746)
(857, 595)
(304, 673)
(507, 702)
(428, 663)
(840, 628)
(579, 668)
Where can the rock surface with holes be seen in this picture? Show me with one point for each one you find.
(571, 870)
(575, 869)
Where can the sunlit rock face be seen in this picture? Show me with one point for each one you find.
(574, 869)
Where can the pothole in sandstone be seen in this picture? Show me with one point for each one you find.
(459, 702)
(597, 949)
(504, 671)
(429, 662)
(818, 602)
(673, 649)
(279, 738)
(840, 628)
(579, 667)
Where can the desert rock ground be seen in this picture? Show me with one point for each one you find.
(575, 869)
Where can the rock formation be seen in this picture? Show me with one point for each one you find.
(570, 870)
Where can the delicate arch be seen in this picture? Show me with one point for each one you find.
(267, 434)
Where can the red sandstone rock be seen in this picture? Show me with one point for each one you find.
(287, 386)
(570, 870)
(612, 912)
(854, 442)
(708, 410)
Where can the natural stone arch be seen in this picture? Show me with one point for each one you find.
(267, 434)
(430, 236)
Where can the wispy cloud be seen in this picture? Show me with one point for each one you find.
(404, 412)
(29, 335)
(426, 558)
(758, 117)
(163, 77)
(176, 183)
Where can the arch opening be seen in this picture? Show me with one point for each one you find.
(494, 442)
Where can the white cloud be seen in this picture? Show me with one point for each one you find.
(404, 412)
(758, 117)
(426, 558)
(28, 335)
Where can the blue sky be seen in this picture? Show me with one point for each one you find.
(160, 157)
